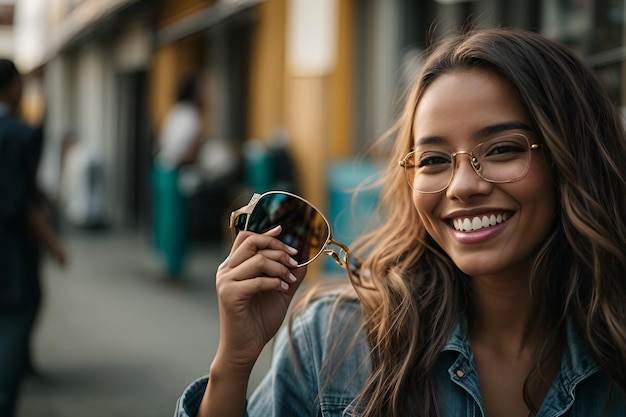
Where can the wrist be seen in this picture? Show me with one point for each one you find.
(224, 383)
(223, 367)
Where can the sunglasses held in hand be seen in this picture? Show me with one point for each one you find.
(303, 226)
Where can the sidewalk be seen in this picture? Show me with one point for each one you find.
(115, 339)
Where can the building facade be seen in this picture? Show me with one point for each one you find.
(330, 72)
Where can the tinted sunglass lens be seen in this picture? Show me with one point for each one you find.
(304, 228)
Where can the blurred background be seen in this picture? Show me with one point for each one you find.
(294, 92)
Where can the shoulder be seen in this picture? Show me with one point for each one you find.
(325, 350)
(13, 124)
(328, 313)
(185, 110)
(328, 334)
(17, 140)
(182, 117)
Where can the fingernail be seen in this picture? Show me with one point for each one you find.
(292, 277)
(284, 285)
(293, 262)
(291, 250)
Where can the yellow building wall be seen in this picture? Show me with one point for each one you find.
(318, 112)
(267, 70)
(315, 110)
(341, 84)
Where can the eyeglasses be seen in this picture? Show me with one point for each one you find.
(304, 227)
(429, 169)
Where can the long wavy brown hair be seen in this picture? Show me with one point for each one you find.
(414, 295)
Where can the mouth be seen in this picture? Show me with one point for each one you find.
(483, 221)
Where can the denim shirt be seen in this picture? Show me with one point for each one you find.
(325, 368)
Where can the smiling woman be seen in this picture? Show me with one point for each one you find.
(504, 178)
(494, 287)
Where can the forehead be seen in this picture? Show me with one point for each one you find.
(463, 103)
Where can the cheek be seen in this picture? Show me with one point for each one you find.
(539, 189)
(538, 206)
(545, 209)
(426, 207)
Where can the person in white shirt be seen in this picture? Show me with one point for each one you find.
(179, 142)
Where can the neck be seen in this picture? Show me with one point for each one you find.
(503, 318)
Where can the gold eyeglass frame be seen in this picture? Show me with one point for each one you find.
(474, 162)
(342, 258)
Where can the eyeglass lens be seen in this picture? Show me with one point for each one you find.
(503, 159)
(304, 228)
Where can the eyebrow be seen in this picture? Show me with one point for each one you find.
(501, 127)
(481, 133)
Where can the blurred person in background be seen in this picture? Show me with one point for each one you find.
(22, 229)
(43, 221)
(178, 145)
(82, 193)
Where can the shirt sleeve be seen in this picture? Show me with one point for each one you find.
(17, 174)
(300, 368)
(288, 389)
(320, 368)
(189, 403)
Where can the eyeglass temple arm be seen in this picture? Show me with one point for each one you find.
(353, 268)
(247, 209)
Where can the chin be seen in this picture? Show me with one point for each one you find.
(477, 267)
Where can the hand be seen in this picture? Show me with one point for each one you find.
(60, 255)
(255, 285)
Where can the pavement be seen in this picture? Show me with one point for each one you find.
(114, 337)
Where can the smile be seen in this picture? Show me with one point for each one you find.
(468, 224)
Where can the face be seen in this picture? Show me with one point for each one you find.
(459, 110)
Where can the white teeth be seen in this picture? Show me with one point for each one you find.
(485, 222)
(472, 224)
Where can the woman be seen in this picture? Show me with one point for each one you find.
(497, 284)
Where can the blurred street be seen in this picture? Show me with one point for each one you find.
(116, 339)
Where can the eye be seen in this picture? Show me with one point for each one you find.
(504, 148)
(433, 160)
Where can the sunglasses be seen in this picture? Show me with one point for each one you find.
(304, 227)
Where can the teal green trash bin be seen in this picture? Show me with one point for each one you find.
(258, 166)
(349, 217)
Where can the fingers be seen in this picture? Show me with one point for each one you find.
(248, 244)
(261, 257)
(272, 267)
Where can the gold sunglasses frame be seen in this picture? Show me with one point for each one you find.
(343, 261)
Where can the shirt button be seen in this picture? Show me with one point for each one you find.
(460, 373)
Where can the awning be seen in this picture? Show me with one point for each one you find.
(202, 20)
(81, 18)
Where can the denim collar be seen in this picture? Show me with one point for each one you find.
(576, 363)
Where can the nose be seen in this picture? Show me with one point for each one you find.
(465, 181)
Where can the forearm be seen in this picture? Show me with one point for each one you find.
(45, 234)
(191, 153)
(225, 394)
